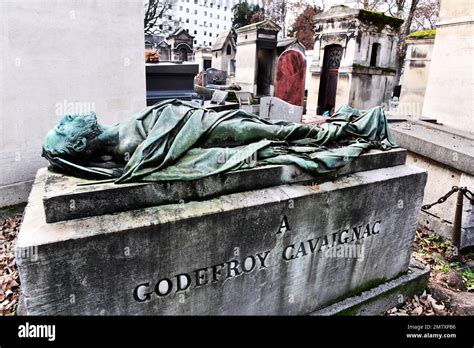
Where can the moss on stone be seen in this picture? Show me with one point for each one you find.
(422, 34)
(359, 290)
(380, 20)
(408, 290)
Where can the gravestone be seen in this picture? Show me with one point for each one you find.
(290, 77)
(219, 97)
(256, 57)
(245, 102)
(244, 98)
(272, 108)
(215, 77)
(244, 242)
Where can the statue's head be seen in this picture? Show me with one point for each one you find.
(69, 139)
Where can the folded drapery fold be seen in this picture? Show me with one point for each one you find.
(183, 141)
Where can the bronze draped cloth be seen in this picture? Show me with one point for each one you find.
(183, 141)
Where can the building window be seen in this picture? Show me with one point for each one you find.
(195, 42)
(195, 22)
(195, 11)
(187, 10)
(217, 26)
(218, 7)
(205, 33)
(169, 17)
(195, 32)
(161, 26)
(217, 16)
(181, 8)
(210, 15)
(187, 20)
(210, 43)
(225, 18)
(196, 1)
(210, 25)
(205, 14)
(170, 6)
(229, 50)
(374, 54)
(210, 34)
(225, 9)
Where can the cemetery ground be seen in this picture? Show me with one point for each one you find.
(450, 290)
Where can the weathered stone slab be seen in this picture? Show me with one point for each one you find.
(65, 199)
(219, 97)
(244, 98)
(272, 108)
(289, 249)
(448, 156)
(383, 297)
(438, 143)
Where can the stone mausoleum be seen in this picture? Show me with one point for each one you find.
(445, 149)
(450, 87)
(181, 45)
(203, 57)
(223, 52)
(416, 71)
(159, 43)
(354, 59)
(256, 56)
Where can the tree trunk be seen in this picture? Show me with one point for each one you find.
(402, 47)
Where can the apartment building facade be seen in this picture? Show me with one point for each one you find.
(202, 19)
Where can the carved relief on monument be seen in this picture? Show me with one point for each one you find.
(333, 39)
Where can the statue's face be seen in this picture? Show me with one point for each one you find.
(72, 133)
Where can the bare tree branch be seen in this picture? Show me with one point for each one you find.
(154, 10)
(417, 14)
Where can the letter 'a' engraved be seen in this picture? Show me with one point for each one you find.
(284, 225)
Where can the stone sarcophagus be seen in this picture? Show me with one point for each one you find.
(271, 240)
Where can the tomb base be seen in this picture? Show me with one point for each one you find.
(288, 249)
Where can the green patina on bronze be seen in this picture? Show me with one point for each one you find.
(178, 140)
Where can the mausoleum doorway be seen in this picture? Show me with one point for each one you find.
(264, 71)
(329, 77)
(183, 54)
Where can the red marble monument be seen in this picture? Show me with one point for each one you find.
(290, 77)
